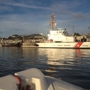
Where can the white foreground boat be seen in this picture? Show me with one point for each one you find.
(33, 79)
(59, 39)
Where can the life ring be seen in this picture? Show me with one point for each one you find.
(28, 87)
(19, 81)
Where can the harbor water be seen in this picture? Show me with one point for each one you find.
(70, 65)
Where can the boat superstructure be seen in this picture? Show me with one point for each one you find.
(59, 35)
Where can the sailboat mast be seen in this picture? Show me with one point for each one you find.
(52, 23)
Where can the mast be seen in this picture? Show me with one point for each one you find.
(52, 22)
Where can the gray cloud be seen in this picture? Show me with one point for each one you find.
(80, 15)
(5, 8)
(12, 3)
(65, 7)
(21, 24)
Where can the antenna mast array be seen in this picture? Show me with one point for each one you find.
(52, 23)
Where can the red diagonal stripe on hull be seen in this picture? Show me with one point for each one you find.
(78, 44)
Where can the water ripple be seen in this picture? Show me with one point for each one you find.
(71, 65)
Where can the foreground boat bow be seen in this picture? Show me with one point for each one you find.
(34, 79)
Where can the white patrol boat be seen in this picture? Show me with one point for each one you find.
(33, 79)
(59, 39)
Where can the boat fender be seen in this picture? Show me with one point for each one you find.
(19, 82)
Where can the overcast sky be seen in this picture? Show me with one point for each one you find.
(25, 17)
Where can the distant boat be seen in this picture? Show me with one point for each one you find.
(59, 38)
(7, 43)
(34, 79)
(11, 45)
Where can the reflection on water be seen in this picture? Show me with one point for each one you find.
(71, 65)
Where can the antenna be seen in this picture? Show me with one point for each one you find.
(73, 29)
(89, 28)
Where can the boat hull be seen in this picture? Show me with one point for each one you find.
(75, 45)
(66, 45)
